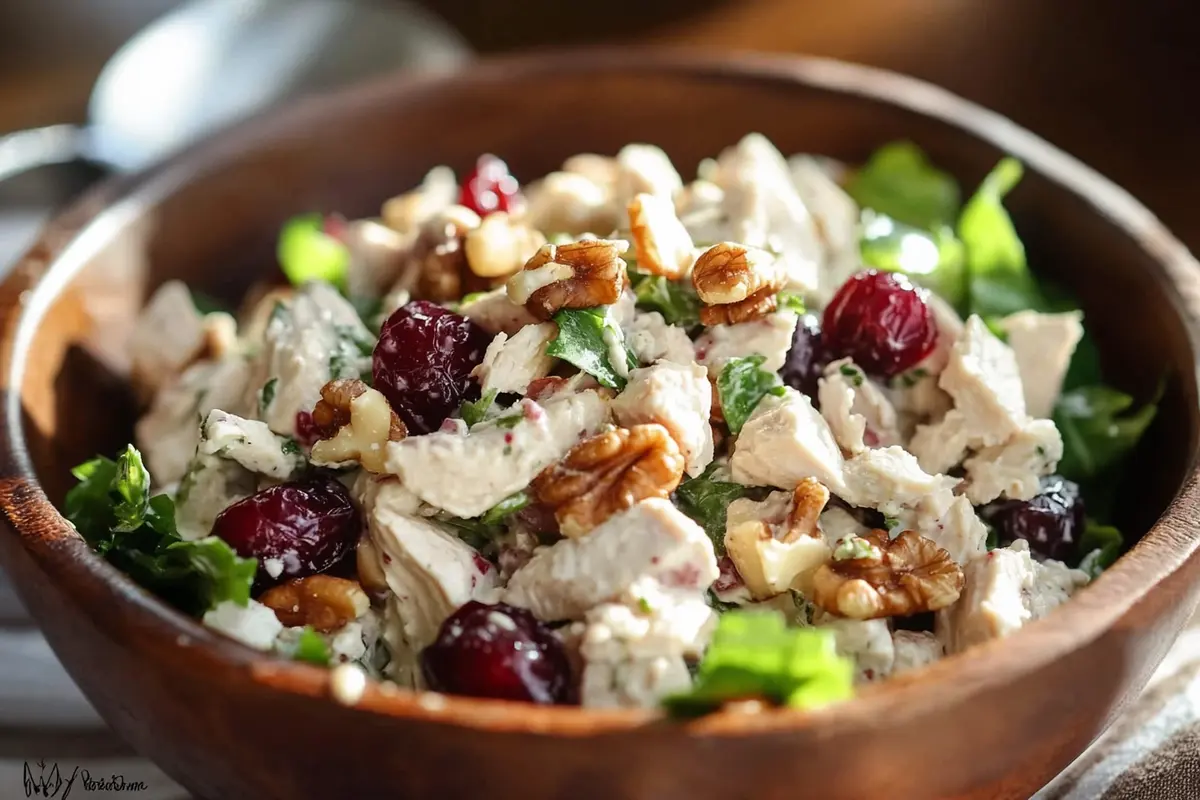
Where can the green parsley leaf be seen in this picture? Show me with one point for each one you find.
(674, 300)
(852, 373)
(112, 510)
(853, 547)
(933, 259)
(311, 648)
(306, 253)
(998, 278)
(740, 386)
(753, 655)
(266, 395)
(351, 356)
(1098, 429)
(899, 181)
(706, 501)
(289, 446)
(473, 412)
(582, 341)
(790, 301)
(1099, 547)
(505, 508)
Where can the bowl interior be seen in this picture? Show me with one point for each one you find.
(211, 220)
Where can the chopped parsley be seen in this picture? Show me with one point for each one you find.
(290, 447)
(582, 341)
(853, 373)
(510, 421)
(311, 648)
(854, 547)
(741, 385)
(474, 411)
(789, 301)
(351, 354)
(1100, 546)
(266, 395)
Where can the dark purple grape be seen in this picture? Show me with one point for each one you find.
(806, 358)
(881, 321)
(423, 363)
(1052, 521)
(498, 651)
(293, 529)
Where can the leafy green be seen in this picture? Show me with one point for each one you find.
(306, 253)
(351, 353)
(583, 340)
(1084, 369)
(741, 385)
(707, 500)
(998, 278)
(266, 395)
(207, 304)
(1098, 429)
(899, 181)
(1099, 547)
(505, 508)
(473, 412)
(113, 511)
(790, 301)
(933, 259)
(753, 655)
(674, 300)
(310, 647)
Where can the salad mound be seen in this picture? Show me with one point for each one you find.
(618, 440)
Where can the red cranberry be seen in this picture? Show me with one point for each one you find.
(423, 363)
(302, 527)
(1052, 521)
(489, 187)
(306, 430)
(497, 651)
(881, 321)
(806, 358)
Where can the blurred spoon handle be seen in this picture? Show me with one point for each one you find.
(21, 151)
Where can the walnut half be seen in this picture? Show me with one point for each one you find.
(322, 602)
(875, 577)
(608, 473)
(731, 273)
(772, 558)
(581, 274)
(355, 423)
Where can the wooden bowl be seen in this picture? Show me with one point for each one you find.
(226, 722)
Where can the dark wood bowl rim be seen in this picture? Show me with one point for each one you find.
(101, 592)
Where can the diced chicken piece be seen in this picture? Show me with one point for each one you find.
(1043, 345)
(763, 209)
(624, 311)
(838, 523)
(949, 521)
(253, 624)
(377, 254)
(698, 197)
(510, 363)
(430, 571)
(168, 433)
(868, 642)
(679, 398)
(1003, 590)
(914, 649)
(943, 445)
(1014, 468)
(784, 441)
(651, 339)
(915, 394)
(601, 170)
(982, 377)
(316, 338)
(632, 652)
(210, 485)
(856, 408)
(168, 335)
(653, 539)
(644, 169)
(406, 212)
(837, 220)
(495, 313)
(250, 443)
(467, 475)
(567, 202)
(770, 337)
(889, 479)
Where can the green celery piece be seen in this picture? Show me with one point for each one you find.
(306, 253)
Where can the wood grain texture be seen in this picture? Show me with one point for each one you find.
(226, 722)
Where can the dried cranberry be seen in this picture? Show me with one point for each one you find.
(489, 187)
(306, 430)
(302, 528)
(497, 651)
(806, 358)
(423, 363)
(881, 321)
(1052, 521)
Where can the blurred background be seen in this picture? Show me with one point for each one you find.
(1110, 81)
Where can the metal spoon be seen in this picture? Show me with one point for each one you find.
(211, 62)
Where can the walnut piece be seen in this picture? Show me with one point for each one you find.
(608, 473)
(663, 246)
(730, 273)
(773, 556)
(755, 306)
(499, 246)
(322, 602)
(581, 274)
(437, 261)
(355, 423)
(907, 575)
(370, 569)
